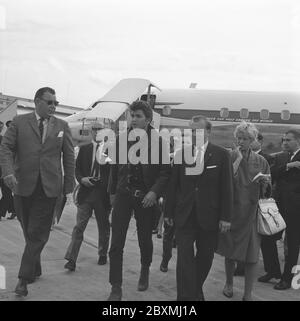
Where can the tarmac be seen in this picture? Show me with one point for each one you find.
(90, 281)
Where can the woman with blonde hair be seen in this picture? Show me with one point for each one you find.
(242, 243)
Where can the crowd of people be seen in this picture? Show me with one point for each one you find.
(212, 210)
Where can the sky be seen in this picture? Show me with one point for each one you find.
(82, 48)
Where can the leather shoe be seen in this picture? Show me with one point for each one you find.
(144, 279)
(115, 294)
(70, 265)
(282, 285)
(102, 260)
(266, 278)
(228, 291)
(21, 288)
(164, 266)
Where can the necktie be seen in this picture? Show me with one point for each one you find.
(41, 127)
(96, 165)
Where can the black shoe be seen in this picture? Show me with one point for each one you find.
(267, 277)
(70, 265)
(164, 266)
(102, 260)
(21, 288)
(144, 279)
(12, 216)
(282, 285)
(115, 294)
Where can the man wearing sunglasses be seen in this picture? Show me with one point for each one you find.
(34, 149)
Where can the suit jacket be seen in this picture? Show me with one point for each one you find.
(288, 191)
(156, 176)
(23, 154)
(210, 192)
(83, 169)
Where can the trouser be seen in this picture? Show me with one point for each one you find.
(293, 246)
(35, 214)
(168, 238)
(7, 201)
(192, 270)
(270, 254)
(122, 211)
(84, 212)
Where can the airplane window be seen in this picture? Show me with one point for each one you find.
(285, 115)
(244, 113)
(264, 114)
(224, 112)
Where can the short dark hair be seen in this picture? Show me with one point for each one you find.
(41, 91)
(198, 118)
(294, 132)
(144, 107)
(7, 123)
(260, 137)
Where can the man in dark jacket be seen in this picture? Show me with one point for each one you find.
(135, 187)
(92, 197)
(200, 205)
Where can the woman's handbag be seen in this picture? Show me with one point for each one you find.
(269, 220)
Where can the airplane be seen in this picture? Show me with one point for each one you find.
(272, 112)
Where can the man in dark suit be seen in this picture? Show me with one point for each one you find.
(289, 174)
(92, 197)
(136, 187)
(6, 202)
(268, 243)
(1, 182)
(201, 204)
(33, 150)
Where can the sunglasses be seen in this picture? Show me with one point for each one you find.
(50, 102)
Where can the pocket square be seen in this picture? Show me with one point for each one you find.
(60, 134)
(209, 167)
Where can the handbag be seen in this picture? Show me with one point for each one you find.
(269, 220)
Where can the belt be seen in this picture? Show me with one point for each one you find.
(137, 193)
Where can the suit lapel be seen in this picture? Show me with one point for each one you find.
(34, 124)
(207, 155)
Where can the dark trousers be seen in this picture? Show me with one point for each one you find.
(35, 214)
(192, 269)
(84, 211)
(270, 254)
(124, 205)
(168, 238)
(293, 246)
(7, 201)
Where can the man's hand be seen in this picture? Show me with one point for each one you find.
(69, 199)
(224, 226)
(112, 198)
(86, 182)
(169, 221)
(295, 164)
(149, 199)
(11, 182)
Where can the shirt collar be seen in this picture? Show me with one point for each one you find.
(258, 151)
(203, 147)
(38, 117)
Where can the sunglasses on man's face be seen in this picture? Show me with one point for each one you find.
(50, 102)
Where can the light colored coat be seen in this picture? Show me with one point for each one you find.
(23, 154)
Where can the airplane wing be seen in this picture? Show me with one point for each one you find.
(114, 103)
(111, 110)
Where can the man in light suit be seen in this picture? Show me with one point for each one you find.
(33, 150)
(200, 204)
